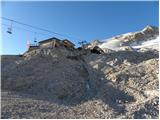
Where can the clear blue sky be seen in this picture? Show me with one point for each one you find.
(83, 20)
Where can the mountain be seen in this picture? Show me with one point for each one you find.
(58, 83)
(145, 39)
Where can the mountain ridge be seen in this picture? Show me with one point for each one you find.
(130, 39)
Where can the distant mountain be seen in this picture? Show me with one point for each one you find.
(145, 39)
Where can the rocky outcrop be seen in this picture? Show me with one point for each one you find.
(97, 50)
(92, 44)
(57, 73)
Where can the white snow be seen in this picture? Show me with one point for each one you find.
(112, 44)
(152, 44)
(115, 43)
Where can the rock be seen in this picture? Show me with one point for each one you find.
(97, 50)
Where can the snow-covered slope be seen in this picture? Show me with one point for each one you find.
(147, 38)
(112, 44)
(150, 44)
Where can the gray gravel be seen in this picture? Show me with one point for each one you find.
(59, 83)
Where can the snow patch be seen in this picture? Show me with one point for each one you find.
(153, 44)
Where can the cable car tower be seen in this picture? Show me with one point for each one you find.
(82, 43)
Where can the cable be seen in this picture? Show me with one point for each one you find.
(35, 27)
(26, 30)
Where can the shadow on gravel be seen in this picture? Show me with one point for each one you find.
(111, 94)
(116, 98)
(132, 56)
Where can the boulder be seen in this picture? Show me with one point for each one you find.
(97, 50)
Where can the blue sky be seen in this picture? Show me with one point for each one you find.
(81, 20)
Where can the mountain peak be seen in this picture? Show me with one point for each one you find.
(147, 37)
(150, 29)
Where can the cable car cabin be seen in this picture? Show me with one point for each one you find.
(9, 31)
(50, 43)
(33, 47)
(68, 43)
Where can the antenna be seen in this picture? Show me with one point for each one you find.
(27, 44)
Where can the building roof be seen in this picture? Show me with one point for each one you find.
(49, 40)
(33, 45)
(68, 42)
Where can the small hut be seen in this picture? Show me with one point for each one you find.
(68, 43)
(50, 43)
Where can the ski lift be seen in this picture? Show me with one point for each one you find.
(35, 39)
(9, 30)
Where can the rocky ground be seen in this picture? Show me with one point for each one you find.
(62, 83)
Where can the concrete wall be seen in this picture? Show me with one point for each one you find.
(50, 44)
(47, 45)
